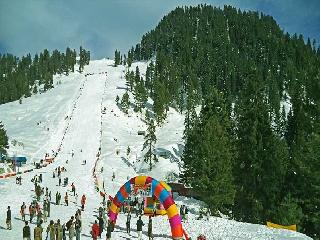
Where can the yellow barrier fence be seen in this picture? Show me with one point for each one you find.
(291, 227)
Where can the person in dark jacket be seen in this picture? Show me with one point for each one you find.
(109, 230)
(139, 227)
(128, 222)
(8, 220)
(150, 228)
(101, 223)
(26, 232)
(77, 227)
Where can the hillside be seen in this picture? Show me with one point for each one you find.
(74, 123)
(252, 151)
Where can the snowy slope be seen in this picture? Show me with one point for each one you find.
(72, 112)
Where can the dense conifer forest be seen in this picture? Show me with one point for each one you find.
(253, 150)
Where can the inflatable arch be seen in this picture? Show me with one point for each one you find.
(157, 190)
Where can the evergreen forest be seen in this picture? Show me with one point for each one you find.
(252, 152)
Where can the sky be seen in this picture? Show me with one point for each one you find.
(101, 26)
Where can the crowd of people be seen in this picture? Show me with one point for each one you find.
(39, 211)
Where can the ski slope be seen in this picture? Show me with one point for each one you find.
(68, 119)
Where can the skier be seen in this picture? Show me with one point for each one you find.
(83, 202)
(128, 222)
(150, 228)
(26, 232)
(8, 220)
(66, 199)
(95, 230)
(22, 211)
(37, 232)
(139, 227)
(51, 231)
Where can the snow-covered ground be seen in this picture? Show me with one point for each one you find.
(69, 117)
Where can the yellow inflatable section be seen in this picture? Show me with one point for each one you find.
(291, 227)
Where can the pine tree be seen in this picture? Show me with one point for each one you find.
(117, 58)
(125, 103)
(208, 158)
(3, 140)
(117, 99)
(262, 158)
(149, 144)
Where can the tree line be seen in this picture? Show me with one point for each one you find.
(22, 77)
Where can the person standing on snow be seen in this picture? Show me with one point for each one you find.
(31, 212)
(101, 223)
(26, 232)
(59, 177)
(186, 211)
(8, 220)
(71, 228)
(48, 207)
(66, 200)
(83, 202)
(39, 217)
(182, 211)
(128, 222)
(64, 232)
(139, 227)
(95, 230)
(22, 211)
(77, 227)
(59, 231)
(109, 230)
(73, 189)
(45, 211)
(51, 231)
(150, 228)
(37, 232)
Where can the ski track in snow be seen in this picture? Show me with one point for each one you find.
(86, 128)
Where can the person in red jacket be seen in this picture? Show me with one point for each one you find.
(95, 230)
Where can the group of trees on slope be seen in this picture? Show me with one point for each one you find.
(254, 147)
(22, 77)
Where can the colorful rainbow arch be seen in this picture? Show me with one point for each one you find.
(157, 190)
